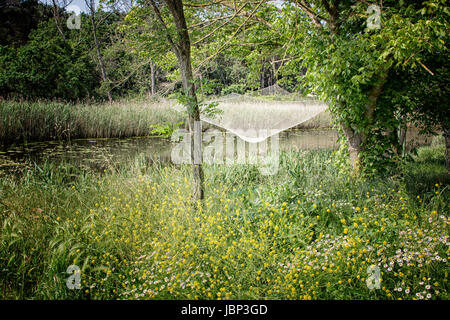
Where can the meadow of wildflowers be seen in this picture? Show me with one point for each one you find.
(308, 232)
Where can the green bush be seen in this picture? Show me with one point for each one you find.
(47, 67)
(234, 88)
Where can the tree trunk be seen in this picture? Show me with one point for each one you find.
(261, 76)
(200, 84)
(56, 17)
(402, 139)
(97, 48)
(354, 141)
(183, 53)
(153, 75)
(274, 71)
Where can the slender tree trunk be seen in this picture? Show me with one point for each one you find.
(274, 71)
(97, 48)
(194, 116)
(402, 138)
(261, 75)
(200, 84)
(153, 75)
(56, 17)
(183, 52)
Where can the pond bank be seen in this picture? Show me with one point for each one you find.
(22, 121)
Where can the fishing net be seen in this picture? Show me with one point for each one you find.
(255, 119)
(273, 90)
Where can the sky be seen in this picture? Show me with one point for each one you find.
(76, 5)
(79, 5)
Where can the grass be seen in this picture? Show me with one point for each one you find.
(39, 121)
(429, 165)
(22, 121)
(308, 232)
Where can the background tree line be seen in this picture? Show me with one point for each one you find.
(40, 57)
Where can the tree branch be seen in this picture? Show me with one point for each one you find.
(310, 12)
(163, 24)
(223, 24)
(232, 36)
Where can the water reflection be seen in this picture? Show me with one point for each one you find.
(98, 154)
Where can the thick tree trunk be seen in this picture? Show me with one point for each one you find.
(354, 141)
(375, 93)
(183, 53)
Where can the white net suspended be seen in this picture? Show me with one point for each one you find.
(254, 120)
(274, 89)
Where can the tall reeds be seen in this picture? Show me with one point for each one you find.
(43, 120)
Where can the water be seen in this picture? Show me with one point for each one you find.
(98, 154)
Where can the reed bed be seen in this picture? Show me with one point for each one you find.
(49, 120)
(43, 120)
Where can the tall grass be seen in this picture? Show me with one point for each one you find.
(307, 232)
(43, 120)
(27, 121)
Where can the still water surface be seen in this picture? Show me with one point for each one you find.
(101, 153)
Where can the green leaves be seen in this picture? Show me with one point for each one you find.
(46, 67)
(345, 69)
(165, 130)
(210, 110)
